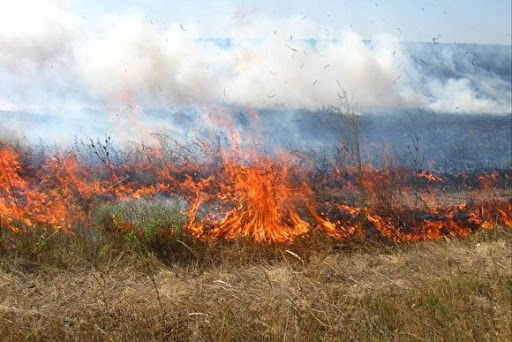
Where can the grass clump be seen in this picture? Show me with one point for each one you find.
(144, 220)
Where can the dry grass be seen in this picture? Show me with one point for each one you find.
(314, 290)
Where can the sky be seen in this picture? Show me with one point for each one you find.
(469, 21)
(76, 60)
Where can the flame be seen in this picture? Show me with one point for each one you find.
(235, 192)
(264, 203)
(429, 176)
(10, 184)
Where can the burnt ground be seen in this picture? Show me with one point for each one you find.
(416, 138)
(445, 143)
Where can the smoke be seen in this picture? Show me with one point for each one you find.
(34, 33)
(272, 63)
(280, 69)
(55, 62)
(458, 78)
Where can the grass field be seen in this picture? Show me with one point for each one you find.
(84, 287)
(147, 248)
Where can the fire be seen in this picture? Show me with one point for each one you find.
(10, 183)
(263, 201)
(429, 176)
(235, 192)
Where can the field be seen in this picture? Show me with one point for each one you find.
(255, 171)
(218, 240)
(318, 289)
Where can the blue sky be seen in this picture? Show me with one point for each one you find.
(470, 21)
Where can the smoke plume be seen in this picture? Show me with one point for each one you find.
(58, 63)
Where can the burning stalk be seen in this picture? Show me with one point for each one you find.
(7, 182)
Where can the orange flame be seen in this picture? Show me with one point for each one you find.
(242, 195)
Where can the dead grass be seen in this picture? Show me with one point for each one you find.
(316, 289)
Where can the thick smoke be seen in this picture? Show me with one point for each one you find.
(114, 70)
(262, 73)
(458, 78)
(37, 42)
(34, 33)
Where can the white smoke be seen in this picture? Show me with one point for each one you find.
(34, 33)
(48, 53)
(263, 71)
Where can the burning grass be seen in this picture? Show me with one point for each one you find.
(215, 242)
(224, 196)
